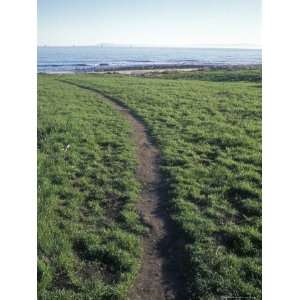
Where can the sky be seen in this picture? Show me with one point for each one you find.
(149, 22)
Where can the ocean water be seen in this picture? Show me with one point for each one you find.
(65, 59)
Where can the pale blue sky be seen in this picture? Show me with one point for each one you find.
(151, 22)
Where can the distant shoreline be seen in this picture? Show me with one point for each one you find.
(155, 68)
(214, 47)
(80, 60)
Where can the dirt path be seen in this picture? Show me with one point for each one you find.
(151, 282)
(159, 277)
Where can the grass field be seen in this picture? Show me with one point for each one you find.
(208, 127)
(88, 228)
(246, 75)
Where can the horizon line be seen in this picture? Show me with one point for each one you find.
(116, 45)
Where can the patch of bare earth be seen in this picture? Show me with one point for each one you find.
(159, 277)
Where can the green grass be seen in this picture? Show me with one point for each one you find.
(244, 74)
(208, 127)
(88, 228)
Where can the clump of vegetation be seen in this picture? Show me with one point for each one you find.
(218, 75)
(209, 132)
(88, 227)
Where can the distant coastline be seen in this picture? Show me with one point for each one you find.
(195, 46)
(110, 59)
(135, 70)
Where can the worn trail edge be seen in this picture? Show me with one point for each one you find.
(159, 277)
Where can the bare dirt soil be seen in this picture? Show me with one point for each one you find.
(159, 277)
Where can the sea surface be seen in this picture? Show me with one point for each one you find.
(73, 59)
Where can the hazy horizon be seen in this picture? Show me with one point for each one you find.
(208, 46)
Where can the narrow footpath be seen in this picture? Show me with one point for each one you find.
(159, 277)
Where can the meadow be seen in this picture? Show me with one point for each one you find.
(250, 74)
(207, 125)
(88, 227)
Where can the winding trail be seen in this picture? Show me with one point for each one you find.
(159, 277)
